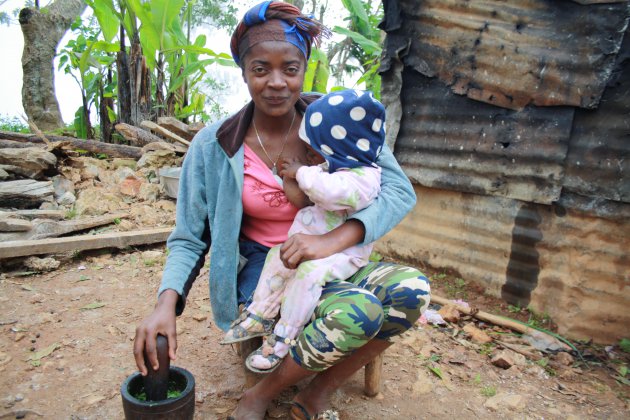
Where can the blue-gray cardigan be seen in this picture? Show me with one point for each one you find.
(209, 211)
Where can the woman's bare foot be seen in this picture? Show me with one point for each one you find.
(250, 407)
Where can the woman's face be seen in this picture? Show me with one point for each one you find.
(274, 73)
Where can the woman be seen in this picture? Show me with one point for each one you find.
(224, 201)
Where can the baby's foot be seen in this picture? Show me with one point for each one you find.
(247, 328)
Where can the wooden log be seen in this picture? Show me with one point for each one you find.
(93, 146)
(373, 373)
(43, 228)
(163, 131)
(30, 162)
(12, 144)
(171, 147)
(10, 224)
(176, 126)
(13, 249)
(25, 193)
(137, 135)
(485, 316)
(34, 214)
(196, 127)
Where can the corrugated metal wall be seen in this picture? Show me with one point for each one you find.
(525, 106)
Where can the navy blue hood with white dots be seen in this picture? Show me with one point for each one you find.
(346, 127)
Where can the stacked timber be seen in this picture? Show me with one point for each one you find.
(55, 199)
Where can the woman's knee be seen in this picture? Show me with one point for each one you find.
(344, 322)
(406, 299)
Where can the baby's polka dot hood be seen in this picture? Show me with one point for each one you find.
(346, 127)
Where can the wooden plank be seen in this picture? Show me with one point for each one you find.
(44, 228)
(176, 126)
(112, 150)
(163, 131)
(81, 243)
(10, 224)
(33, 214)
(137, 135)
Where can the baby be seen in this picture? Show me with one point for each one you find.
(344, 134)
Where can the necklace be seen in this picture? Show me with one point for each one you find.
(274, 170)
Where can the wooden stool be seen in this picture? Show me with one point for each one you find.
(373, 370)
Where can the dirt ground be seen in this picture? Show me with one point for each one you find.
(66, 340)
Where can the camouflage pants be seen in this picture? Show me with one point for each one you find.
(380, 301)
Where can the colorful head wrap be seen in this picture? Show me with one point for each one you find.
(275, 21)
(346, 128)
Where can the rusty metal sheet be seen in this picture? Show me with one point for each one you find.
(572, 266)
(598, 161)
(451, 142)
(511, 54)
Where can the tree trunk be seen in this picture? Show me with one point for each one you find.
(42, 30)
(140, 84)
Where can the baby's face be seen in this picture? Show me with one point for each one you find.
(312, 157)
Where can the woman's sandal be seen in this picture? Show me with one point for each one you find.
(240, 333)
(298, 412)
(272, 358)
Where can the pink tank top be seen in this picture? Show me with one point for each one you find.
(267, 213)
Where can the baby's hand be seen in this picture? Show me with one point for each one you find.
(289, 167)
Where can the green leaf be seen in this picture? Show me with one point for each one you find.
(317, 72)
(93, 305)
(436, 371)
(80, 124)
(108, 20)
(622, 380)
(44, 352)
(111, 115)
(369, 46)
(104, 46)
(624, 344)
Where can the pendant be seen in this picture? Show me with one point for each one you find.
(274, 171)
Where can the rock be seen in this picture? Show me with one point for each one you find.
(67, 199)
(62, 186)
(117, 163)
(512, 402)
(476, 334)
(130, 186)
(4, 175)
(159, 159)
(30, 162)
(149, 192)
(166, 205)
(89, 171)
(563, 358)
(41, 264)
(449, 313)
(200, 318)
(505, 359)
(122, 173)
(97, 201)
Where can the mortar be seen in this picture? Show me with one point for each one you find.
(155, 386)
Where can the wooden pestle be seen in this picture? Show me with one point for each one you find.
(156, 381)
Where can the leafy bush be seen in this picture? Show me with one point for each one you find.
(13, 124)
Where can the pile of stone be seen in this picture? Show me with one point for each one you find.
(52, 188)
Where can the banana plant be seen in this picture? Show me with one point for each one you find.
(362, 43)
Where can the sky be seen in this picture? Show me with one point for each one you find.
(67, 90)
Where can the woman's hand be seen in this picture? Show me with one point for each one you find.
(301, 247)
(161, 321)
